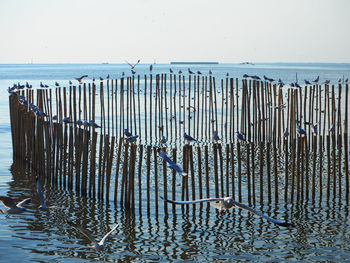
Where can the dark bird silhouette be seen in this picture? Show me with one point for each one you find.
(189, 138)
(171, 71)
(317, 79)
(240, 136)
(150, 68)
(190, 72)
(81, 78)
(307, 82)
(132, 66)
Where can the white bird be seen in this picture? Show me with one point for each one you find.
(41, 196)
(228, 203)
(13, 208)
(97, 245)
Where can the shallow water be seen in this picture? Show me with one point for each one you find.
(196, 233)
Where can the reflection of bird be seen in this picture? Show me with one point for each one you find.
(97, 245)
(189, 138)
(171, 163)
(81, 78)
(228, 203)
(132, 66)
(13, 208)
(41, 197)
(240, 136)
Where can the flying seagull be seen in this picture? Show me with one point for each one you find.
(172, 165)
(81, 78)
(132, 66)
(41, 197)
(13, 208)
(240, 136)
(127, 133)
(97, 245)
(228, 203)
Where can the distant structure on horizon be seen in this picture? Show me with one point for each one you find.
(192, 62)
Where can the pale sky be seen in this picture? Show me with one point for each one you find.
(95, 31)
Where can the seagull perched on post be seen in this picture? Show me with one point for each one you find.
(307, 82)
(301, 131)
(97, 245)
(332, 128)
(13, 208)
(81, 78)
(190, 72)
(286, 132)
(189, 138)
(172, 164)
(94, 124)
(132, 138)
(226, 203)
(317, 79)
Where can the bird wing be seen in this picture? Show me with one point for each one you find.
(243, 206)
(83, 231)
(41, 197)
(106, 235)
(7, 201)
(194, 201)
(25, 201)
(171, 163)
(132, 66)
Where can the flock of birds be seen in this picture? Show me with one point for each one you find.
(222, 204)
(13, 208)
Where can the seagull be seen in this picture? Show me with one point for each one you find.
(97, 245)
(133, 66)
(317, 79)
(108, 76)
(189, 138)
(280, 82)
(127, 133)
(332, 129)
(79, 122)
(132, 138)
(199, 73)
(180, 72)
(81, 78)
(101, 78)
(216, 136)
(171, 163)
(70, 83)
(13, 208)
(346, 81)
(150, 68)
(245, 76)
(315, 131)
(41, 197)
(210, 72)
(228, 203)
(86, 123)
(94, 124)
(133, 72)
(307, 82)
(240, 136)
(163, 140)
(67, 120)
(190, 72)
(286, 132)
(57, 84)
(171, 71)
(301, 131)
(327, 81)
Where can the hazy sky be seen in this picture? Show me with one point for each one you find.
(188, 30)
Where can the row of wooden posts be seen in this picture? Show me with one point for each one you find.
(105, 166)
(171, 105)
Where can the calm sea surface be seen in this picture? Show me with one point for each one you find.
(322, 231)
